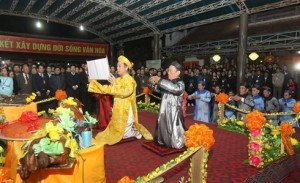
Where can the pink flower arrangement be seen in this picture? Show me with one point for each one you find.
(256, 133)
(255, 146)
(255, 160)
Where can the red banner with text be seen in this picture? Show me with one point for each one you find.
(45, 46)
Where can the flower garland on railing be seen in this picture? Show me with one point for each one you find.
(255, 122)
(265, 114)
(223, 99)
(196, 136)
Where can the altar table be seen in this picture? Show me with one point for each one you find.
(89, 166)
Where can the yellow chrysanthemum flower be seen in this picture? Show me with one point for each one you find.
(59, 110)
(72, 144)
(275, 132)
(54, 135)
(54, 131)
(240, 123)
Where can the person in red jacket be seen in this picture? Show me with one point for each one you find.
(291, 86)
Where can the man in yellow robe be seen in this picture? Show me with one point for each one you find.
(124, 121)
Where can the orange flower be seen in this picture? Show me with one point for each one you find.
(146, 91)
(286, 129)
(222, 98)
(4, 174)
(296, 108)
(198, 135)
(125, 179)
(60, 95)
(255, 121)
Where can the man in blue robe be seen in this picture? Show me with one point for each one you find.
(287, 103)
(258, 100)
(202, 107)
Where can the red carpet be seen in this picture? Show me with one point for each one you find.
(225, 163)
(294, 177)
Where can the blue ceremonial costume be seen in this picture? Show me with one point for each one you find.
(259, 103)
(202, 108)
(287, 106)
(6, 86)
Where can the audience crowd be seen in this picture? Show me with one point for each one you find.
(263, 81)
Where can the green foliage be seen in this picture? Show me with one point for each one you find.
(152, 107)
(66, 122)
(90, 119)
(271, 147)
(233, 125)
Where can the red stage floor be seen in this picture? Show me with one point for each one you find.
(226, 161)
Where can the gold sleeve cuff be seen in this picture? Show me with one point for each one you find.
(94, 87)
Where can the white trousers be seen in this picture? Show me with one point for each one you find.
(130, 131)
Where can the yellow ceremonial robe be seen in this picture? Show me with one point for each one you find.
(124, 92)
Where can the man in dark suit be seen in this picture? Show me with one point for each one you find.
(267, 80)
(259, 79)
(86, 97)
(41, 87)
(24, 80)
(223, 81)
(231, 81)
(251, 79)
(48, 73)
(57, 81)
(141, 81)
(72, 83)
(16, 71)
